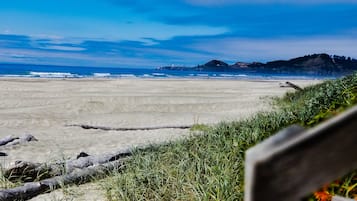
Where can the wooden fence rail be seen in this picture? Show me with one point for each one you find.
(296, 162)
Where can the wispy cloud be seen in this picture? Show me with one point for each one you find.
(233, 49)
(188, 50)
(97, 53)
(63, 48)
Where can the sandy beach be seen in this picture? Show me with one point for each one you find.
(43, 108)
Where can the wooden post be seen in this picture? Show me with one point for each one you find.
(290, 165)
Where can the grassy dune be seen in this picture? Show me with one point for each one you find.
(211, 166)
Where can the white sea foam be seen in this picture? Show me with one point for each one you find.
(127, 75)
(101, 74)
(9, 75)
(159, 74)
(147, 75)
(202, 75)
(232, 75)
(53, 75)
(226, 75)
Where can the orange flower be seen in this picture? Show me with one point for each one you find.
(322, 196)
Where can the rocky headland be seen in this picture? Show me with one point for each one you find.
(315, 63)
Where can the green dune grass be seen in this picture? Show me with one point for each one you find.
(211, 166)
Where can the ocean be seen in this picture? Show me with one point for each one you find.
(43, 71)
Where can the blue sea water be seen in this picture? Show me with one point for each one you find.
(43, 71)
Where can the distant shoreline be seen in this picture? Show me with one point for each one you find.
(38, 71)
(248, 79)
(173, 75)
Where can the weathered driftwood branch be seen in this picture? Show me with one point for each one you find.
(9, 140)
(129, 129)
(77, 171)
(23, 139)
(30, 190)
(83, 162)
(28, 171)
(289, 84)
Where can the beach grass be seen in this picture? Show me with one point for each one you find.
(211, 166)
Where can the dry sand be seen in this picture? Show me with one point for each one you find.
(42, 107)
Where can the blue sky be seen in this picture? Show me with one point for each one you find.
(151, 33)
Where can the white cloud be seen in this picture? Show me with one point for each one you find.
(36, 56)
(63, 48)
(233, 49)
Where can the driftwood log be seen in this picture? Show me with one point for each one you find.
(28, 171)
(128, 129)
(23, 139)
(289, 84)
(7, 140)
(32, 189)
(10, 140)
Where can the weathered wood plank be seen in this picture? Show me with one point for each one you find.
(288, 167)
(338, 198)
